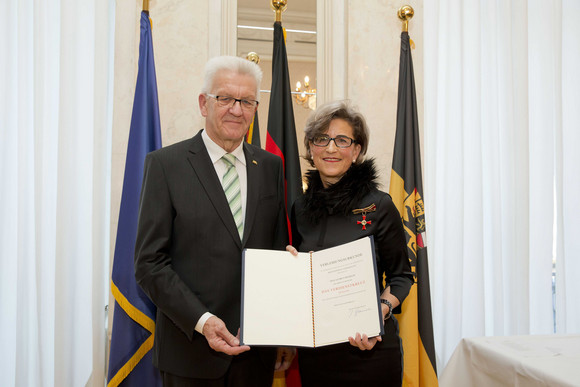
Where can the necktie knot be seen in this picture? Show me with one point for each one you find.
(230, 159)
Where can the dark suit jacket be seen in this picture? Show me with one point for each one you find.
(188, 251)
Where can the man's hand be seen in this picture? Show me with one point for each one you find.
(220, 339)
(284, 358)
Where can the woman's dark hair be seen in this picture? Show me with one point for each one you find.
(319, 121)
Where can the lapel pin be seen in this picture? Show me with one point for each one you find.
(255, 162)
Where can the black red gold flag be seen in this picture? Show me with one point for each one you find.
(281, 137)
(281, 140)
(406, 189)
(253, 135)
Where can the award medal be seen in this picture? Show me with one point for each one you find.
(364, 211)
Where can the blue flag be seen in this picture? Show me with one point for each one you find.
(134, 319)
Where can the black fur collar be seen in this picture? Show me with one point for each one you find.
(343, 196)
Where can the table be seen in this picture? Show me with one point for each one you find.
(542, 360)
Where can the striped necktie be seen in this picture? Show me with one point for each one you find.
(231, 184)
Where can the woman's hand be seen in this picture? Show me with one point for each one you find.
(292, 249)
(363, 342)
(284, 358)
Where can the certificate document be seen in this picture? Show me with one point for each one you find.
(310, 300)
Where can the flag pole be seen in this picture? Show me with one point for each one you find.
(279, 6)
(146, 5)
(405, 14)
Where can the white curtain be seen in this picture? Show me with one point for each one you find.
(568, 176)
(502, 180)
(55, 77)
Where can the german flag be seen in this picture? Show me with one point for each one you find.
(253, 135)
(281, 138)
(406, 189)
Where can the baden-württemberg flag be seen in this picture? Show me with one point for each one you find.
(406, 189)
(134, 319)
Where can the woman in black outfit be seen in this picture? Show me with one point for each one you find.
(342, 204)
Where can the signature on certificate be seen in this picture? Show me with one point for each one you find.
(353, 312)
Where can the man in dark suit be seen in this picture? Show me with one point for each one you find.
(190, 241)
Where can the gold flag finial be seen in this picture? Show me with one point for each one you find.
(253, 57)
(146, 5)
(405, 14)
(279, 6)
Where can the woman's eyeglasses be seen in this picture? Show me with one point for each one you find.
(339, 141)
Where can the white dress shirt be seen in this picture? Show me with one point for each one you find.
(216, 153)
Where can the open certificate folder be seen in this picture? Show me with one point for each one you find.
(310, 300)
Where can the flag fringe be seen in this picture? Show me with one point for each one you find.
(143, 320)
(138, 316)
(131, 363)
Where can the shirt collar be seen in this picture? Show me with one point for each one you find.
(216, 152)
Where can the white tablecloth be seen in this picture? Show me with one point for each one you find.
(552, 360)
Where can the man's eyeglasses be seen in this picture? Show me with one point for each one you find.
(339, 141)
(226, 101)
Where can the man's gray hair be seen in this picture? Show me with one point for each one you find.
(230, 63)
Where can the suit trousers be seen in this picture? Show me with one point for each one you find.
(247, 369)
